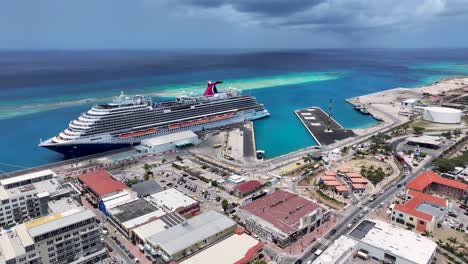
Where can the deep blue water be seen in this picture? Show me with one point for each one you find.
(41, 91)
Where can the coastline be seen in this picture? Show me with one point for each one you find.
(386, 105)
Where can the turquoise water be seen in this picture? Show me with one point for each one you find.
(42, 91)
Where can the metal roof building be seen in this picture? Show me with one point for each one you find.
(146, 188)
(188, 237)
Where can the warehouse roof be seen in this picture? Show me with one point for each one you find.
(146, 188)
(101, 182)
(172, 199)
(189, 233)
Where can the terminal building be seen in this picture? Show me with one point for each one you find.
(168, 142)
(420, 211)
(382, 242)
(189, 237)
(431, 182)
(27, 196)
(282, 217)
(69, 237)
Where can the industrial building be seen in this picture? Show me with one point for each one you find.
(70, 237)
(282, 217)
(168, 142)
(238, 249)
(187, 238)
(146, 188)
(428, 182)
(420, 211)
(443, 115)
(132, 214)
(391, 244)
(424, 141)
(27, 196)
(139, 234)
(173, 200)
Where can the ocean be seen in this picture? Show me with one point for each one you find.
(42, 91)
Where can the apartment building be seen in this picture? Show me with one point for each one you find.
(69, 237)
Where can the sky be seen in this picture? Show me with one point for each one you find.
(200, 24)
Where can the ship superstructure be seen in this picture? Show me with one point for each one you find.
(129, 119)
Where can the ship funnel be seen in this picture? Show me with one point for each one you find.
(211, 88)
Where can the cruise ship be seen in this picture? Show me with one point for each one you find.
(129, 119)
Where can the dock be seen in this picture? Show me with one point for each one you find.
(316, 122)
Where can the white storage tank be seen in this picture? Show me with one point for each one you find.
(443, 115)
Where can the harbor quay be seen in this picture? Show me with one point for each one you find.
(183, 196)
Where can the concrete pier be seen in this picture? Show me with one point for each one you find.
(316, 122)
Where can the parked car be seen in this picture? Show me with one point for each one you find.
(355, 220)
(131, 256)
(349, 226)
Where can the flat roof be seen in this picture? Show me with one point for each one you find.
(158, 225)
(230, 250)
(146, 188)
(442, 109)
(46, 224)
(25, 177)
(194, 230)
(398, 241)
(62, 205)
(171, 199)
(133, 210)
(341, 246)
(169, 138)
(430, 140)
(101, 182)
(282, 209)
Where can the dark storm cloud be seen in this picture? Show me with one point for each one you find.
(339, 15)
(260, 7)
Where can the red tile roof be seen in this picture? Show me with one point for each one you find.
(426, 178)
(250, 254)
(416, 199)
(101, 182)
(328, 178)
(248, 186)
(358, 180)
(341, 188)
(332, 183)
(353, 175)
(358, 186)
(329, 173)
(344, 170)
(282, 209)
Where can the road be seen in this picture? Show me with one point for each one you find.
(342, 229)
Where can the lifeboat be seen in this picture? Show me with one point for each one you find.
(138, 133)
(198, 121)
(150, 130)
(126, 135)
(214, 118)
(174, 126)
(204, 120)
(229, 115)
(186, 124)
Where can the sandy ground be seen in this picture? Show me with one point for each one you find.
(236, 144)
(387, 104)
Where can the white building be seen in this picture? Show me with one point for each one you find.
(236, 179)
(168, 142)
(69, 237)
(443, 115)
(392, 244)
(173, 200)
(342, 251)
(409, 102)
(26, 196)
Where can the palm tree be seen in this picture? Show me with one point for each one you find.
(453, 240)
(439, 242)
(307, 158)
(427, 233)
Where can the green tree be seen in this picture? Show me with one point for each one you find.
(214, 183)
(418, 130)
(225, 204)
(427, 233)
(146, 176)
(457, 132)
(163, 160)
